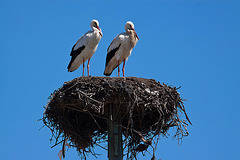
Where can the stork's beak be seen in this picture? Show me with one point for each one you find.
(100, 32)
(136, 34)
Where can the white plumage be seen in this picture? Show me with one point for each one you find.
(120, 49)
(85, 47)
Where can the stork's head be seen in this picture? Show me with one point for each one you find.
(95, 25)
(129, 26)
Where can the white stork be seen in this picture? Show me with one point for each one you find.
(85, 47)
(120, 49)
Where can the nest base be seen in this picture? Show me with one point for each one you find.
(79, 111)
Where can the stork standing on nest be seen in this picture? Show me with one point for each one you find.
(85, 47)
(120, 49)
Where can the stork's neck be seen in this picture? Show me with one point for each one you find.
(94, 29)
(133, 38)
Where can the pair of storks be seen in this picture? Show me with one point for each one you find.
(118, 51)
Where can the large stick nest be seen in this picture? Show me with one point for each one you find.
(78, 111)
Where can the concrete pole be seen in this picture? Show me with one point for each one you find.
(115, 148)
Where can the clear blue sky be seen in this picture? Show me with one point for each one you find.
(194, 44)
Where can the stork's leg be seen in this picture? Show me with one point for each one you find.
(88, 66)
(83, 67)
(123, 69)
(118, 69)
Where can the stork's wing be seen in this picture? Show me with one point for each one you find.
(116, 42)
(113, 47)
(112, 50)
(78, 49)
(80, 45)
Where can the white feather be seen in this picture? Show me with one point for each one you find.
(123, 52)
(90, 40)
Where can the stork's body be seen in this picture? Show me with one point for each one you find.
(120, 49)
(85, 47)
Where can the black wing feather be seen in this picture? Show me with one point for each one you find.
(109, 57)
(75, 53)
(111, 54)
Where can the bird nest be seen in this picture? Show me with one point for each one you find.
(78, 111)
